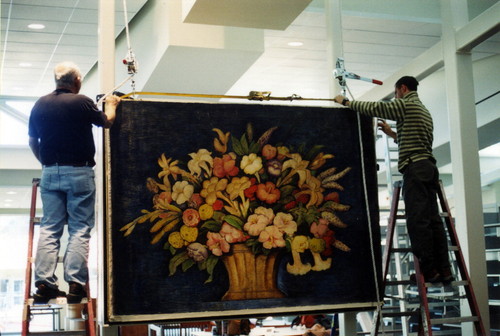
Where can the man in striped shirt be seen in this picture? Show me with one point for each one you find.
(414, 137)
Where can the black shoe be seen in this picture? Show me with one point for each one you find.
(433, 277)
(76, 293)
(44, 293)
(446, 276)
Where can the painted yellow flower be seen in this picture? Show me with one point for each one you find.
(201, 160)
(182, 192)
(206, 211)
(238, 186)
(320, 160)
(312, 187)
(175, 239)
(251, 163)
(169, 167)
(189, 233)
(211, 187)
(298, 166)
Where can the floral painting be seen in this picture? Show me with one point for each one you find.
(219, 209)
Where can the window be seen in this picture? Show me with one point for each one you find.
(14, 117)
(13, 254)
(4, 285)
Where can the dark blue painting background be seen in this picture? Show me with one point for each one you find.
(139, 271)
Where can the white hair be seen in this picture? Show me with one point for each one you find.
(65, 74)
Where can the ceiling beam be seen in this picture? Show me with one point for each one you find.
(470, 35)
(16, 114)
(17, 98)
(422, 66)
(479, 29)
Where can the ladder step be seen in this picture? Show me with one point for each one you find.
(452, 284)
(401, 314)
(401, 249)
(439, 332)
(62, 332)
(450, 320)
(58, 301)
(386, 332)
(397, 282)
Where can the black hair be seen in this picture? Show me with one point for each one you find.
(410, 82)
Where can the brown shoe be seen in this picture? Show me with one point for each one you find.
(76, 293)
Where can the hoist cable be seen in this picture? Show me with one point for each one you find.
(365, 191)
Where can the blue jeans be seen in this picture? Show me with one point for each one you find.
(68, 196)
(425, 226)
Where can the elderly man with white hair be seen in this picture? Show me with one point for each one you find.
(60, 136)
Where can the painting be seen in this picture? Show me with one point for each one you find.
(227, 210)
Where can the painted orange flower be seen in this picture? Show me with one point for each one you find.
(232, 234)
(225, 166)
(269, 151)
(271, 237)
(217, 244)
(267, 192)
(191, 217)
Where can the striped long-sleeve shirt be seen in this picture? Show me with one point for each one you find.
(413, 125)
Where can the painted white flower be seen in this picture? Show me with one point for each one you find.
(200, 160)
(268, 213)
(285, 223)
(182, 192)
(255, 224)
(251, 163)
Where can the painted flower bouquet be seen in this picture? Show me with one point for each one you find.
(246, 191)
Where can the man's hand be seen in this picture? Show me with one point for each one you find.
(384, 127)
(342, 100)
(339, 99)
(112, 100)
(110, 109)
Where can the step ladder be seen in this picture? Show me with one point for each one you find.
(402, 259)
(85, 308)
(426, 296)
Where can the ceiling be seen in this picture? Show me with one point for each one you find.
(379, 39)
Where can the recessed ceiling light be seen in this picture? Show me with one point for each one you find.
(295, 44)
(36, 26)
(11, 192)
(25, 64)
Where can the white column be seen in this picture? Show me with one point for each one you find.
(106, 74)
(464, 153)
(335, 49)
(334, 41)
(347, 324)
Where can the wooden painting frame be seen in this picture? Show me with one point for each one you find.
(318, 161)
